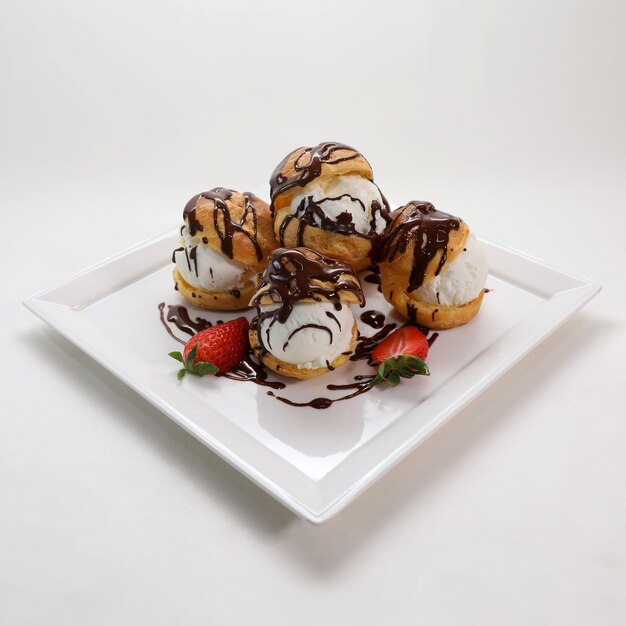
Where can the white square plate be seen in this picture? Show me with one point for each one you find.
(313, 461)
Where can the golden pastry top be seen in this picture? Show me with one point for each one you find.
(295, 275)
(305, 164)
(420, 241)
(239, 225)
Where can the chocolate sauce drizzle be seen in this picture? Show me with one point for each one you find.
(361, 385)
(179, 316)
(372, 318)
(247, 370)
(225, 226)
(310, 212)
(292, 276)
(428, 228)
(308, 166)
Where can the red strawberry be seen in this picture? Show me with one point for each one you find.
(401, 355)
(214, 350)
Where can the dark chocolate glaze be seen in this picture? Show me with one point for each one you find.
(431, 340)
(311, 212)
(372, 318)
(225, 226)
(428, 228)
(308, 166)
(292, 276)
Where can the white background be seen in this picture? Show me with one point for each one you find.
(510, 114)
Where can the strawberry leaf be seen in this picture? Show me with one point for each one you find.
(394, 369)
(177, 355)
(191, 357)
(204, 368)
(181, 374)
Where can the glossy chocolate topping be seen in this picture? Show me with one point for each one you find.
(429, 229)
(375, 319)
(311, 212)
(294, 274)
(308, 166)
(225, 226)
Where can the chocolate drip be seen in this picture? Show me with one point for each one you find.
(334, 317)
(412, 313)
(431, 340)
(375, 319)
(250, 370)
(179, 316)
(193, 255)
(365, 345)
(308, 166)
(225, 226)
(429, 230)
(310, 212)
(292, 276)
(175, 251)
(297, 330)
(324, 403)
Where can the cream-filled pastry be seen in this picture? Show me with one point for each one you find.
(324, 198)
(432, 270)
(304, 325)
(224, 242)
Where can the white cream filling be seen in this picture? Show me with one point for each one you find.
(337, 195)
(209, 270)
(306, 346)
(459, 282)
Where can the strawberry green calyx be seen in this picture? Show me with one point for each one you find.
(397, 367)
(201, 368)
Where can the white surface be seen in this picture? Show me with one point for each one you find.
(514, 513)
(314, 464)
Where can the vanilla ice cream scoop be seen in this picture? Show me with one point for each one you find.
(460, 281)
(314, 334)
(350, 204)
(202, 266)
(305, 326)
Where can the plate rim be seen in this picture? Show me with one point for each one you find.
(585, 291)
